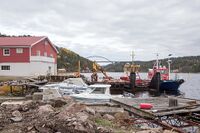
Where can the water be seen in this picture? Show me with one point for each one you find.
(191, 86)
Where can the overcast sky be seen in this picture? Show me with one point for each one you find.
(109, 28)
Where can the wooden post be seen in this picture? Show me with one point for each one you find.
(132, 80)
(173, 102)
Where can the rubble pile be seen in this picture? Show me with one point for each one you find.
(59, 116)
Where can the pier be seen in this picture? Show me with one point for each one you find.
(185, 115)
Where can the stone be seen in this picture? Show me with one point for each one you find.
(121, 115)
(90, 111)
(58, 102)
(80, 128)
(17, 116)
(108, 117)
(37, 96)
(45, 109)
(29, 128)
(81, 116)
(169, 131)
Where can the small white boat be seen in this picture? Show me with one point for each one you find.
(96, 93)
(68, 86)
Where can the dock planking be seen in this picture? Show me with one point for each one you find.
(160, 106)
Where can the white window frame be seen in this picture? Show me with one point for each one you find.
(38, 53)
(5, 66)
(4, 52)
(19, 50)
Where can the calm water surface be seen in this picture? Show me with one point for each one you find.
(191, 86)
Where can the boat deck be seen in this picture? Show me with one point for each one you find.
(160, 106)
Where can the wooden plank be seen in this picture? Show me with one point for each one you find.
(160, 106)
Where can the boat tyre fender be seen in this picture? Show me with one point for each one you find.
(180, 81)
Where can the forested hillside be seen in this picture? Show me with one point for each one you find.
(69, 60)
(183, 64)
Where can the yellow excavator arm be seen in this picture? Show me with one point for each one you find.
(96, 67)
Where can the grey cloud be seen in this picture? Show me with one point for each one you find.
(110, 28)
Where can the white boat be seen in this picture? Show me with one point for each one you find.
(68, 86)
(96, 93)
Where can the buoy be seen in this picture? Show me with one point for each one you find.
(145, 106)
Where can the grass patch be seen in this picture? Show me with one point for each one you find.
(103, 122)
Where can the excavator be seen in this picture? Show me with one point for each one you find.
(96, 67)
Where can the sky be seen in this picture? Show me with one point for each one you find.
(109, 28)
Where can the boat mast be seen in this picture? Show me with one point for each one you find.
(132, 55)
(169, 64)
(157, 62)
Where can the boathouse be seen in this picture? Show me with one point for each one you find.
(27, 56)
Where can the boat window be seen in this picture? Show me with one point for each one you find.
(98, 90)
(163, 72)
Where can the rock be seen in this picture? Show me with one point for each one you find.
(58, 102)
(42, 129)
(80, 128)
(152, 130)
(12, 105)
(29, 128)
(17, 116)
(121, 115)
(37, 96)
(103, 130)
(81, 116)
(90, 111)
(169, 131)
(97, 115)
(27, 105)
(108, 117)
(45, 109)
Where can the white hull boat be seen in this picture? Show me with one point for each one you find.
(68, 86)
(96, 93)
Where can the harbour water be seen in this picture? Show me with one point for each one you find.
(191, 86)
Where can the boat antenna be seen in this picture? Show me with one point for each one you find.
(132, 55)
(157, 61)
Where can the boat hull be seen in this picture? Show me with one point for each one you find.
(170, 86)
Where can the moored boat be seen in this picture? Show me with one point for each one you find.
(97, 93)
(167, 84)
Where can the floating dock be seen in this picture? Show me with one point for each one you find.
(179, 118)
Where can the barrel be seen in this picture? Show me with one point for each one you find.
(145, 106)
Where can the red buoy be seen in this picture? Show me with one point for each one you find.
(145, 106)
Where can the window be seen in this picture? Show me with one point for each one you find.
(38, 52)
(5, 67)
(51, 55)
(19, 50)
(6, 52)
(45, 53)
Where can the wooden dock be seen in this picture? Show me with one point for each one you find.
(183, 118)
(160, 106)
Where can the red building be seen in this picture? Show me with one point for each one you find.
(27, 56)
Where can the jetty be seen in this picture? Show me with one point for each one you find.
(184, 114)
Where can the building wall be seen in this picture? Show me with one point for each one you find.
(29, 69)
(15, 57)
(44, 48)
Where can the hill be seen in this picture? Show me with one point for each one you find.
(69, 60)
(183, 64)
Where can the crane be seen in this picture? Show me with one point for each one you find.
(96, 67)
